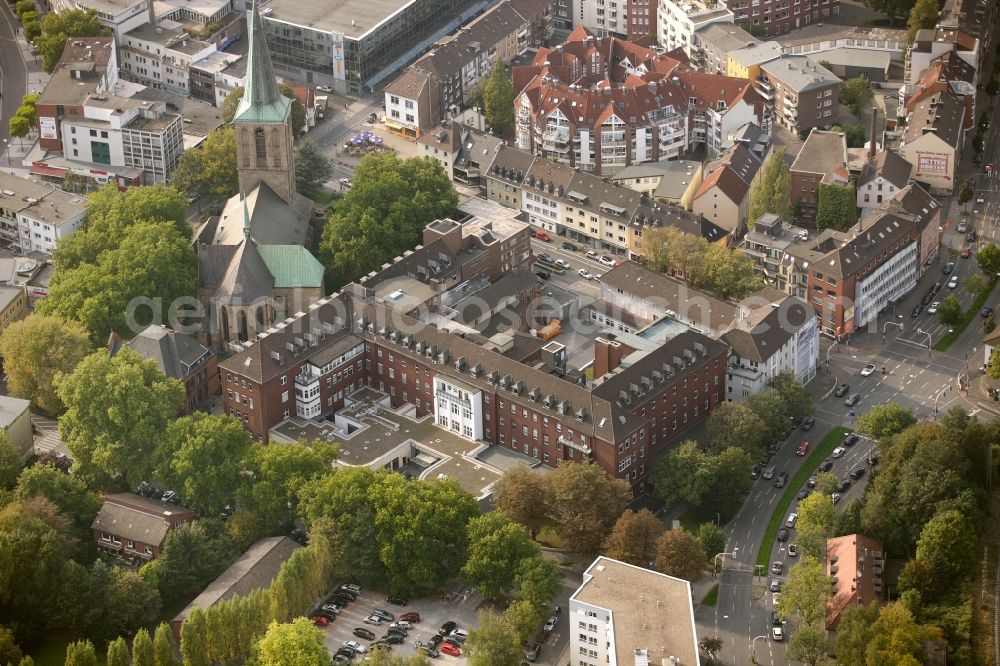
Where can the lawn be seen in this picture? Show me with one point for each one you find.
(323, 196)
(809, 465)
(712, 597)
(967, 318)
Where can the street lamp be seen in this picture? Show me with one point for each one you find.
(891, 323)
(718, 515)
(753, 648)
(715, 559)
(830, 349)
(6, 149)
(920, 330)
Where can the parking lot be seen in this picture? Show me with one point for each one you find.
(459, 607)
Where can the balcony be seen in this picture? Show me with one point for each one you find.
(582, 448)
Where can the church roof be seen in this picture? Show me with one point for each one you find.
(247, 278)
(272, 221)
(292, 266)
(262, 101)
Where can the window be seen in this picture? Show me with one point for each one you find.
(260, 144)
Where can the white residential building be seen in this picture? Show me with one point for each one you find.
(677, 21)
(34, 216)
(624, 615)
(882, 177)
(776, 334)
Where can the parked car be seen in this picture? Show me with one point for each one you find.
(987, 311)
(429, 650)
(775, 619)
(333, 608)
(868, 370)
(768, 473)
(542, 236)
(802, 494)
(781, 480)
(393, 638)
(793, 550)
(550, 623)
(953, 282)
(850, 440)
(917, 309)
(790, 521)
(593, 256)
(447, 627)
(808, 423)
(857, 472)
(777, 568)
(782, 535)
(327, 614)
(460, 634)
(755, 472)
(451, 648)
(971, 236)
(412, 617)
(563, 264)
(948, 268)
(533, 653)
(401, 624)
(435, 640)
(607, 261)
(838, 452)
(356, 646)
(396, 601)
(963, 226)
(827, 464)
(364, 633)
(835, 497)
(385, 615)
(342, 658)
(775, 585)
(841, 390)
(585, 274)
(803, 449)
(351, 591)
(373, 620)
(966, 252)
(811, 482)
(346, 652)
(845, 483)
(542, 274)
(777, 634)
(544, 256)
(934, 307)
(398, 630)
(852, 399)
(320, 620)
(569, 246)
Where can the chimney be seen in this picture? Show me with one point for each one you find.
(152, 12)
(871, 135)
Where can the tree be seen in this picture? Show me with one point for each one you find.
(837, 207)
(312, 168)
(493, 643)
(279, 471)
(895, 638)
(856, 95)
(977, 285)
(773, 193)
(164, 648)
(69, 493)
(585, 504)
(10, 652)
(130, 285)
(948, 546)
(808, 645)
(498, 100)
(57, 27)
(770, 408)
(923, 15)
(854, 134)
(117, 654)
(885, 420)
(27, 111)
(686, 254)
(383, 214)
(143, 652)
(817, 516)
(538, 581)
(633, 538)
(656, 248)
(798, 404)
(679, 554)
(730, 482)
(232, 101)
(854, 632)
(18, 126)
(209, 170)
(827, 483)
(729, 274)
(993, 368)
(950, 310)
(497, 545)
(10, 463)
(988, 259)
(35, 350)
(127, 602)
(524, 495)
(712, 539)
(80, 653)
(523, 617)
(202, 456)
(803, 598)
(893, 8)
(683, 474)
(110, 212)
(733, 424)
(965, 194)
(711, 647)
(116, 410)
(298, 643)
(193, 555)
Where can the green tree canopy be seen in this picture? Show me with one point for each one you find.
(894, 8)
(896, 638)
(965, 194)
(279, 471)
(679, 554)
(232, 101)
(976, 284)
(633, 538)
(856, 94)
(493, 642)
(988, 259)
(164, 647)
(950, 310)
(69, 493)
(523, 617)
(798, 405)
(35, 350)
(116, 411)
(312, 168)
(771, 408)
(772, 194)
(808, 645)
(538, 581)
(117, 654)
(10, 651)
(734, 425)
(712, 539)
(201, 457)
(209, 170)
(18, 126)
(383, 214)
(885, 420)
(524, 495)
(297, 643)
(143, 653)
(837, 207)
(193, 555)
(948, 545)
(923, 14)
(713, 483)
(10, 463)
(497, 545)
(585, 504)
(57, 27)
(498, 100)
(817, 516)
(854, 632)
(803, 598)
(80, 653)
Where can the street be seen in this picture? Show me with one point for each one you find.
(12, 70)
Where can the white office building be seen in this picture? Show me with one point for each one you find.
(679, 19)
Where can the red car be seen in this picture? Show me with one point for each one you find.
(450, 648)
(409, 617)
(320, 621)
(542, 236)
(965, 253)
(803, 449)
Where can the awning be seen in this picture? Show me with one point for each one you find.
(52, 172)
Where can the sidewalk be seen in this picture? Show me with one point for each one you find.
(35, 81)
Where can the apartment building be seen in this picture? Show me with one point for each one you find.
(132, 529)
(802, 94)
(122, 16)
(818, 39)
(768, 19)
(711, 45)
(437, 85)
(821, 160)
(679, 20)
(623, 614)
(216, 75)
(933, 138)
(856, 565)
(930, 44)
(465, 153)
(180, 356)
(745, 61)
(584, 111)
(769, 246)
(160, 56)
(776, 334)
(723, 197)
(946, 74)
(33, 217)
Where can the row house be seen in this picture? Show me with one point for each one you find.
(601, 105)
(437, 85)
(711, 45)
(883, 175)
(768, 18)
(723, 197)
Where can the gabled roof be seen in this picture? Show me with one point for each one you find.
(262, 101)
(761, 335)
(888, 165)
(292, 266)
(728, 182)
(942, 113)
(176, 354)
(410, 83)
(272, 220)
(135, 518)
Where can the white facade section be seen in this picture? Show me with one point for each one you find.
(679, 19)
(873, 193)
(889, 281)
(458, 407)
(543, 212)
(403, 111)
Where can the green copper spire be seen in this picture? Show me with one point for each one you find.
(262, 101)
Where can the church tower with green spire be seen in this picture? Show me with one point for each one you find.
(263, 122)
